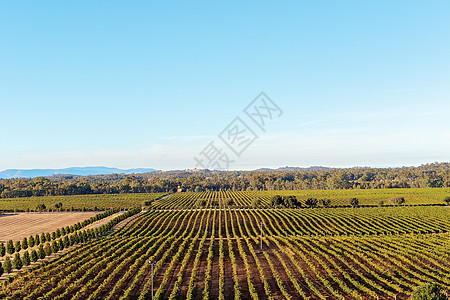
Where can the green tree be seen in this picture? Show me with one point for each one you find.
(26, 260)
(59, 206)
(17, 262)
(311, 202)
(276, 201)
(55, 247)
(34, 256)
(60, 244)
(47, 249)
(31, 241)
(200, 203)
(1, 269)
(41, 252)
(43, 238)
(17, 246)
(291, 202)
(10, 247)
(354, 202)
(66, 242)
(41, 207)
(7, 266)
(325, 202)
(397, 200)
(37, 240)
(429, 291)
(25, 243)
(2, 249)
(229, 202)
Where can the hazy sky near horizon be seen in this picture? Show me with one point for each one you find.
(150, 84)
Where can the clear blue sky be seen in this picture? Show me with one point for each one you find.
(150, 84)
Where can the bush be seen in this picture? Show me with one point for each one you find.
(311, 202)
(291, 202)
(354, 202)
(325, 202)
(229, 202)
(429, 291)
(200, 203)
(397, 200)
(276, 201)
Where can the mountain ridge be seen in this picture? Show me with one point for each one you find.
(79, 171)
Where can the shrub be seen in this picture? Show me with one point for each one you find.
(397, 200)
(276, 201)
(325, 202)
(200, 203)
(311, 202)
(291, 202)
(429, 291)
(229, 202)
(354, 202)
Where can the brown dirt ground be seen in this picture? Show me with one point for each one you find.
(16, 226)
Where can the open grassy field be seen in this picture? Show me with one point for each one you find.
(15, 226)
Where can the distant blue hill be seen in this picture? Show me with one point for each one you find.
(81, 171)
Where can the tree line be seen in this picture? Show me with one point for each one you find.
(430, 175)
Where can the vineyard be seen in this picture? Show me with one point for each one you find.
(337, 198)
(80, 202)
(320, 253)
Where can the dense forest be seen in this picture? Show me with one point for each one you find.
(429, 175)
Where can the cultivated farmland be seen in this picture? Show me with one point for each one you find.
(15, 226)
(215, 253)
